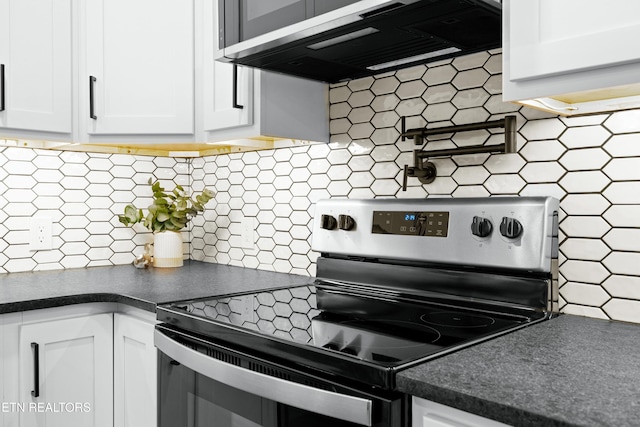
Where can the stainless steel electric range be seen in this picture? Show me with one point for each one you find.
(399, 282)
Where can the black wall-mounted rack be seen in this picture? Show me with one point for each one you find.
(425, 171)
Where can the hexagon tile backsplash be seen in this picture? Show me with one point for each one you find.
(591, 163)
(83, 194)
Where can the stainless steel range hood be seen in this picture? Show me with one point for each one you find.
(370, 37)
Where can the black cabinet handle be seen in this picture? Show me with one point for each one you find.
(36, 369)
(92, 114)
(235, 88)
(1, 87)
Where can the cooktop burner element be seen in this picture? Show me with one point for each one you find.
(372, 340)
(457, 319)
(399, 282)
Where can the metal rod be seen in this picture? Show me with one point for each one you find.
(36, 369)
(235, 88)
(2, 87)
(92, 113)
(403, 124)
(457, 128)
(509, 146)
(476, 149)
(510, 137)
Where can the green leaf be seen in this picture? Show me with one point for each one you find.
(163, 216)
(179, 214)
(177, 222)
(169, 211)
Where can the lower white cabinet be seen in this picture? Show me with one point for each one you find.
(9, 338)
(87, 365)
(426, 413)
(135, 375)
(2, 379)
(65, 372)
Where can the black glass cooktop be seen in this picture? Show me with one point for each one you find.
(324, 324)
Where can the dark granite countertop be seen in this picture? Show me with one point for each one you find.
(142, 288)
(568, 371)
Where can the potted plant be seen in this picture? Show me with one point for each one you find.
(167, 215)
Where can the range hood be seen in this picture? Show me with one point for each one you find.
(371, 37)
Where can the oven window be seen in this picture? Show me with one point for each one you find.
(188, 399)
(206, 413)
(294, 417)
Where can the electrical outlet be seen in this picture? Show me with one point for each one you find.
(40, 234)
(247, 233)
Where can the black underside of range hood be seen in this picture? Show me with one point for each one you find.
(428, 26)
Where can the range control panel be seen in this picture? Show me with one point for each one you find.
(411, 223)
(505, 232)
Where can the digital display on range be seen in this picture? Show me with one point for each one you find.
(434, 224)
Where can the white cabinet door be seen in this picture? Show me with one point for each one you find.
(223, 109)
(139, 65)
(135, 375)
(35, 55)
(256, 104)
(3, 399)
(9, 368)
(67, 363)
(550, 37)
(426, 413)
(220, 111)
(573, 56)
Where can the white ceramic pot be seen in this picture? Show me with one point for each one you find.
(167, 249)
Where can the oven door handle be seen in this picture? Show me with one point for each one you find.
(336, 405)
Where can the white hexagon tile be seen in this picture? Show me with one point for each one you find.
(590, 163)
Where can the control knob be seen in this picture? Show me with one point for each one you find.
(345, 222)
(328, 222)
(481, 227)
(510, 228)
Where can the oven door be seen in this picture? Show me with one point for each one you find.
(201, 383)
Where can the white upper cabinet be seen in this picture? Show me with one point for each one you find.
(571, 56)
(228, 104)
(256, 104)
(228, 100)
(36, 65)
(137, 71)
(142, 74)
